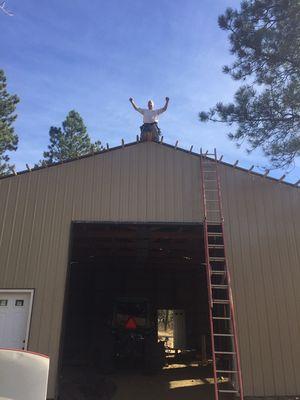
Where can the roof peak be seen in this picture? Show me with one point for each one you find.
(158, 143)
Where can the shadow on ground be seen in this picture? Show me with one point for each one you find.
(176, 381)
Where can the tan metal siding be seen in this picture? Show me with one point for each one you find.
(132, 184)
(152, 182)
(260, 219)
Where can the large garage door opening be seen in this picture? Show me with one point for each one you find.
(136, 323)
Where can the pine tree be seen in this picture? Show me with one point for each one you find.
(70, 141)
(8, 137)
(265, 39)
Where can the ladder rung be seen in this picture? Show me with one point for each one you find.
(224, 334)
(215, 246)
(211, 190)
(219, 286)
(227, 391)
(215, 234)
(221, 301)
(225, 352)
(213, 200)
(222, 318)
(218, 272)
(210, 170)
(210, 180)
(225, 371)
(216, 258)
(214, 223)
(213, 211)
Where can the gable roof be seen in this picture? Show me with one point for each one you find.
(161, 143)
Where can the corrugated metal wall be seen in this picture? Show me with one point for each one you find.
(263, 236)
(152, 182)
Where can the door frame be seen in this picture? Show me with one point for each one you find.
(31, 293)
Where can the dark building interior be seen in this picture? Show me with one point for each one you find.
(161, 262)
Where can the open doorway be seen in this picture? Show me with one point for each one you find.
(171, 329)
(125, 280)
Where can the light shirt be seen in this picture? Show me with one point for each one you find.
(150, 116)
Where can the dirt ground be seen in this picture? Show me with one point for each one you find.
(184, 381)
(176, 381)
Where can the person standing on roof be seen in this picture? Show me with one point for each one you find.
(149, 129)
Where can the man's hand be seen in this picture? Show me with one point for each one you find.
(166, 105)
(134, 105)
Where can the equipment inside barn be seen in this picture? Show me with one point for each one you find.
(162, 264)
(152, 267)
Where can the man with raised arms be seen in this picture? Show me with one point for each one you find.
(149, 129)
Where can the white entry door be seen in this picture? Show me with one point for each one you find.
(15, 309)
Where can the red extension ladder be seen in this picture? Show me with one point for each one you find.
(224, 344)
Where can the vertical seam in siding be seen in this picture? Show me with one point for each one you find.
(27, 262)
(15, 278)
(5, 212)
(11, 233)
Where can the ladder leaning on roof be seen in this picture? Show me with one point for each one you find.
(224, 344)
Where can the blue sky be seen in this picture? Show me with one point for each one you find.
(92, 56)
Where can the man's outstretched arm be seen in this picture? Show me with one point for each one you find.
(164, 108)
(134, 105)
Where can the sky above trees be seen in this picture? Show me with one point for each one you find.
(93, 56)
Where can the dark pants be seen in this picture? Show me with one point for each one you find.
(150, 132)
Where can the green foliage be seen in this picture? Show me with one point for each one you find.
(8, 138)
(70, 141)
(265, 39)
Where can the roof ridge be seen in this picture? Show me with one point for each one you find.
(174, 147)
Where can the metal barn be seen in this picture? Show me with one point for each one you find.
(97, 218)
